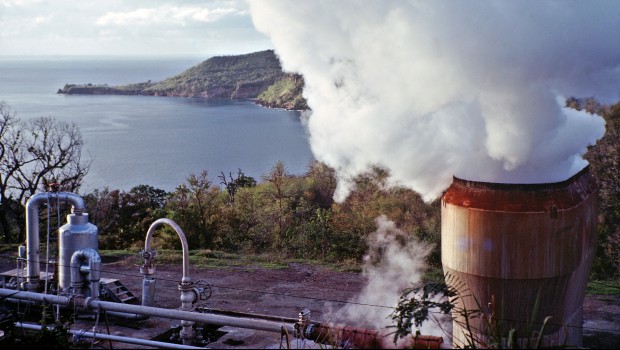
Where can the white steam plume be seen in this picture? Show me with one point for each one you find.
(394, 261)
(432, 89)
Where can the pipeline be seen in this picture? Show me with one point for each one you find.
(93, 269)
(188, 296)
(341, 336)
(93, 305)
(330, 334)
(32, 229)
(117, 338)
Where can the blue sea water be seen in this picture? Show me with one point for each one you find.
(157, 141)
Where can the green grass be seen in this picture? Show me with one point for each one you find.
(205, 258)
(609, 287)
(9, 248)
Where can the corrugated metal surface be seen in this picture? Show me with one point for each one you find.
(517, 246)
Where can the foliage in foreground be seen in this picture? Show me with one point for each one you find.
(481, 331)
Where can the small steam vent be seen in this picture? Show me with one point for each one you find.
(520, 253)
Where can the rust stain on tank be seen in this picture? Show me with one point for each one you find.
(521, 197)
(516, 242)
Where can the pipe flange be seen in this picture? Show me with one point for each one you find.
(185, 286)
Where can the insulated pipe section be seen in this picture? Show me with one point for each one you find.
(86, 261)
(188, 296)
(116, 338)
(342, 336)
(92, 304)
(32, 229)
(361, 338)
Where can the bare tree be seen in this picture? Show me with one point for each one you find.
(35, 155)
(233, 185)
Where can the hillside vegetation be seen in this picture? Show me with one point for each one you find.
(229, 77)
(285, 93)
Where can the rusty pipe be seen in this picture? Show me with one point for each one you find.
(342, 336)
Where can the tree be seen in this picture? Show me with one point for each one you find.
(604, 160)
(34, 155)
(194, 206)
(277, 179)
(233, 185)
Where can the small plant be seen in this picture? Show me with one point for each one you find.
(54, 336)
(479, 326)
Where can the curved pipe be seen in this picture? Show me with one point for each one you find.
(93, 269)
(188, 296)
(32, 229)
(149, 239)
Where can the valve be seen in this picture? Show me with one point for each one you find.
(203, 290)
(148, 268)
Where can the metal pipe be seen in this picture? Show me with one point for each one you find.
(32, 229)
(341, 336)
(127, 316)
(64, 304)
(92, 304)
(188, 296)
(184, 246)
(329, 333)
(117, 338)
(93, 269)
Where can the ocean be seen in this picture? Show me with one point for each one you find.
(150, 140)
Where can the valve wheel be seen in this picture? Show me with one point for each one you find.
(203, 289)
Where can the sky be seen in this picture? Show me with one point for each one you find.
(127, 28)
(427, 90)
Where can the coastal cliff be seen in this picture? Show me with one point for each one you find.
(285, 93)
(246, 76)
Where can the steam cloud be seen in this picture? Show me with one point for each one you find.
(394, 262)
(432, 89)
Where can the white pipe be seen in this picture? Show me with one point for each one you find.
(185, 287)
(93, 269)
(91, 304)
(32, 229)
(184, 246)
(103, 336)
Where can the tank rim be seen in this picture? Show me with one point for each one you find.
(522, 186)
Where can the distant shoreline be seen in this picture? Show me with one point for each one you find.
(257, 76)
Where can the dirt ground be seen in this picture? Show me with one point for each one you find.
(284, 293)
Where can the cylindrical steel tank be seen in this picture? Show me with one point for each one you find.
(75, 235)
(519, 253)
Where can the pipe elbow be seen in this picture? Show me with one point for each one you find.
(77, 203)
(94, 266)
(184, 245)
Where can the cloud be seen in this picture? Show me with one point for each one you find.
(137, 27)
(11, 3)
(42, 19)
(177, 15)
